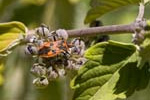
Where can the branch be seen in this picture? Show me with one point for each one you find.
(113, 29)
(141, 12)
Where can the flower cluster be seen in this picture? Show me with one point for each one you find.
(54, 54)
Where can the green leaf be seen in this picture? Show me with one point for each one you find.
(147, 28)
(101, 7)
(110, 73)
(9, 35)
(146, 1)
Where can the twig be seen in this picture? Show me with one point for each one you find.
(141, 12)
(113, 29)
(138, 37)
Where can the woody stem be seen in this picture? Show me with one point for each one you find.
(113, 29)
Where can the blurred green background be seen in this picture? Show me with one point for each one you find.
(67, 14)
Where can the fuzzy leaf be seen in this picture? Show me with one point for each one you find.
(9, 35)
(110, 73)
(101, 7)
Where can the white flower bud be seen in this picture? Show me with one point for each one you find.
(61, 33)
(82, 45)
(43, 31)
(75, 42)
(40, 42)
(51, 74)
(38, 70)
(70, 64)
(61, 72)
(81, 61)
(51, 36)
(41, 82)
(82, 52)
(31, 50)
(31, 38)
(75, 64)
(78, 47)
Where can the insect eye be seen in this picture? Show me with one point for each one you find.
(43, 31)
(31, 50)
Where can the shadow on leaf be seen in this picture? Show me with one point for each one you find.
(132, 79)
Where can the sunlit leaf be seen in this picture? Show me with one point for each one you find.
(9, 33)
(110, 73)
(147, 28)
(101, 7)
(146, 1)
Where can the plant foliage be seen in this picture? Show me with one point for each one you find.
(110, 73)
(9, 33)
(101, 7)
